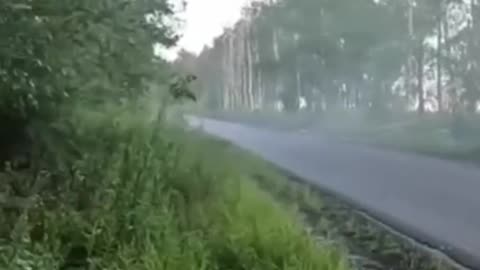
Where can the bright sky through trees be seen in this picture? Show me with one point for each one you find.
(205, 20)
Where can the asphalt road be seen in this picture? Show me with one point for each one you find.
(431, 200)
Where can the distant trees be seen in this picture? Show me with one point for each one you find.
(369, 54)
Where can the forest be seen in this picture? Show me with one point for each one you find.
(317, 55)
(366, 70)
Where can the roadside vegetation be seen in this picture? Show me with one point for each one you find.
(142, 197)
(329, 219)
(94, 173)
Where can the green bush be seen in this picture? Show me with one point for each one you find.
(59, 53)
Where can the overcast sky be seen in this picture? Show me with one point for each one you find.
(205, 20)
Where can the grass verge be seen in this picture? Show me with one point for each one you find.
(370, 245)
(125, 193)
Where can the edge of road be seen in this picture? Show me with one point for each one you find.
(457, 256)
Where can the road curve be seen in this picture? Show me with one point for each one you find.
(431, 200)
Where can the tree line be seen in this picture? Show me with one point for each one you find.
(320, 54)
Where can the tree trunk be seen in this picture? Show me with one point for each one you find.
(357, 97)
(226, 68)
(439, 64)
(452, 92)
(232, 70)
(250, 74)
(298, 84)
(420, 74)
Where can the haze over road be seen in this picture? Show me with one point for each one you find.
(432, 200)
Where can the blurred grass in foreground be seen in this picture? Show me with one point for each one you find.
(122, 192)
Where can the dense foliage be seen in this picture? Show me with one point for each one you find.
(55, 53)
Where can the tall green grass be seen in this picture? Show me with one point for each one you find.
(139, 194)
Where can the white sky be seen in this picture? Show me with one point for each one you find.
(205, 20)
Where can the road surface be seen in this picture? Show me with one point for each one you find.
(434, 201)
